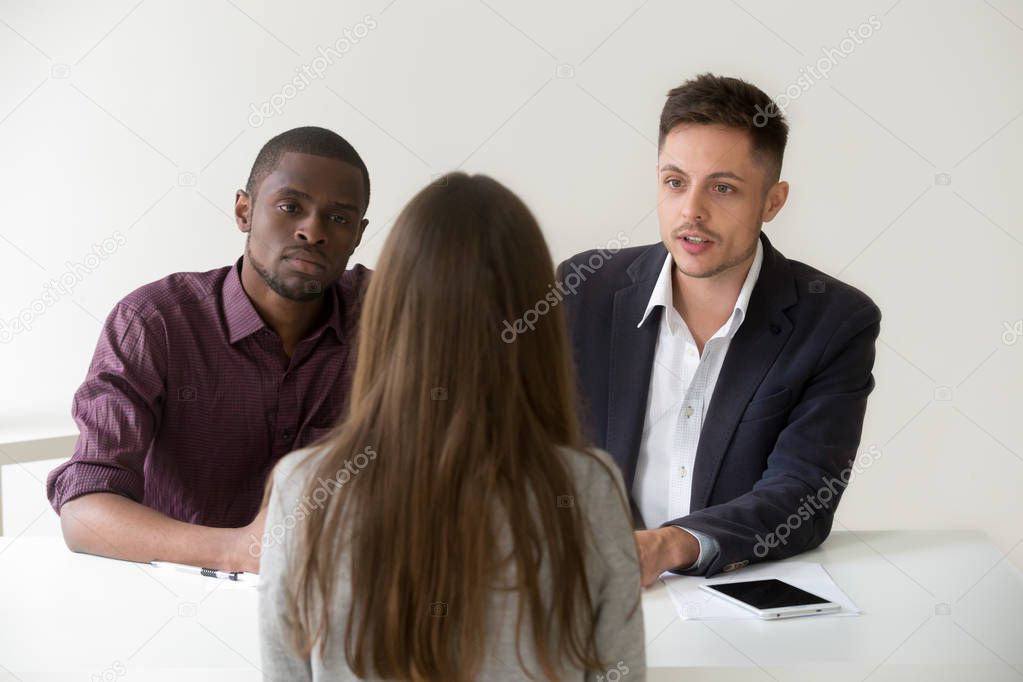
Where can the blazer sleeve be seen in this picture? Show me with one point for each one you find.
(791, 508)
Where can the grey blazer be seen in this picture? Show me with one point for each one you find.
(612, 571)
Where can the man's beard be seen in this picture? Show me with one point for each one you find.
(309, 291)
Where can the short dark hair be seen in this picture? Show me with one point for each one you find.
(731, 102)
(306, 140)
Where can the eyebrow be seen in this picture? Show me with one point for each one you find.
(291, 192)
(719, 174)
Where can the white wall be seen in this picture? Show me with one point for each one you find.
(135, 119)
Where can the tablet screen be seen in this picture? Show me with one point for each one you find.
(768, 594)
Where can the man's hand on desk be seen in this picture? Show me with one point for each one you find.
(663, 549)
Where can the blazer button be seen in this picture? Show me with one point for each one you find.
(775, 329)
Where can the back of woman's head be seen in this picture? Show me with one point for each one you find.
(464, 260)
(463, 389)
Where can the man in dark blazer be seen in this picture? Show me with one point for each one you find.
(728, 382)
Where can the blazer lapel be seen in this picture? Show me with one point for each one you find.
(751, 353)
(632, 359)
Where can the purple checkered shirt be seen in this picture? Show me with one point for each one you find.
(190, 398)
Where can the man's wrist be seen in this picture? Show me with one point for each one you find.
(682, 548)
(222, 546)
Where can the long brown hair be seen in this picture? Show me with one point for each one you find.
(464, 422)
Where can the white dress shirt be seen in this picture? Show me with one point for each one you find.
(682, 384)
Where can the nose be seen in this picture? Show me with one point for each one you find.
(311, 230)
(693, 210)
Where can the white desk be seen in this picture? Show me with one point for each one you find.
(69, 616)
(22, 452)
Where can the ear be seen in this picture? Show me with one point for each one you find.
(243, 210)
(776, 197)
(362, 230)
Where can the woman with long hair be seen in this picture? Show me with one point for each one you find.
(454, 526)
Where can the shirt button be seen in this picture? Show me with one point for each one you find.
(689, 411)
(691, 352)
(286, 435)
(682, 472)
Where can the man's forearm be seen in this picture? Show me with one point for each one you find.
(114, 526)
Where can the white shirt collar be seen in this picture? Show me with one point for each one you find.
(661, 295)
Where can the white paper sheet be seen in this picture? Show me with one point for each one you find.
(692, 603)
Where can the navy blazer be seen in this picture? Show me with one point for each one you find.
(784, 423)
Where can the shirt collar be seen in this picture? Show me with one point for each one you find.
(242, 318)
(662, 296)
